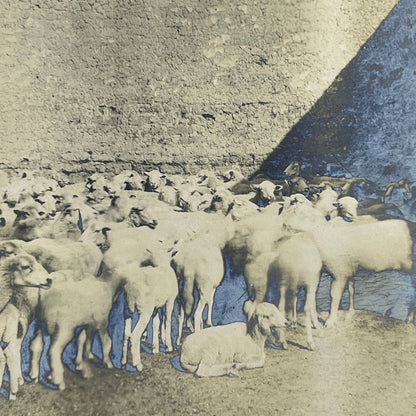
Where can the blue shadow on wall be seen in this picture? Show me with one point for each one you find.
(365, 122)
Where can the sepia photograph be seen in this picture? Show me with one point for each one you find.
(207, 207)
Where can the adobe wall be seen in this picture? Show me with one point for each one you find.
(105, 85)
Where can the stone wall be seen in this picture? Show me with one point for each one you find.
(91, 85)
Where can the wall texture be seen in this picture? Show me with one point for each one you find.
(365, 122)
(90, 85)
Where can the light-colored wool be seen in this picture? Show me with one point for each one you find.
(63, 254)
(294, 262)
(373, 246)
(15, 271)
(93, 298)
(148, 289)
(224, 349)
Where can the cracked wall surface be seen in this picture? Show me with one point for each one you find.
(107, 85)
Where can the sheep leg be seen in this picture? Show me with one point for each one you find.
(126, 337)
(351, 289)
(188, 300)
(135, 338)
(80, 364)
(282, 307)
(59, 341)
(167, 324)
(106, 345)
(2, 365)
(181, 318)
(156, 332)
(198, 322)
(308, 320)
(13, 358)
(314, 315)
(205, 369)
(210, 306)
(250, 365)
(36, 348)
(337, 287)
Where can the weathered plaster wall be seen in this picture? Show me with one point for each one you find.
(111, 84)
(365, 123)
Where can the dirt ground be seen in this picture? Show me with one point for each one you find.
(366, 365)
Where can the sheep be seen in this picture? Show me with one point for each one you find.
(347, 207)
(154, 180)
(16, 270)
(11, 333)
(147, 289)
(374, 246)
(295, 262)
(223, 349)
(266, 191)
(7, 218)
(30, 223)
(199, 262)
(325, 203)
(93, 299)
(60, 254)
(293, 170)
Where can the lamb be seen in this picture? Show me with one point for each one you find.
(347, 207)
(224, 349)
(199, 262)
(325, 203)
(374, 246)
(147, 290)
(61, 254)
(15, 271)
(266, 191)
(93, 298)
(295, 262)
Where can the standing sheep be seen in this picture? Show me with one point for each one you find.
(373, 246)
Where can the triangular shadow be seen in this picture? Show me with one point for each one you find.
(365, 122)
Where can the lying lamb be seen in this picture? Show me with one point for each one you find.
(222, 349)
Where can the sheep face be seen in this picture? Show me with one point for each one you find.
(292, 170)
(266, 316)
(26, 271)
(8, 249)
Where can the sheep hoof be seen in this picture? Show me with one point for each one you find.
(155, 350)
(330, 323)
(311, 346)
(139, 367)
(35, 379)
(61, 386)
(284, 345)
(12, 396)
(21, 381)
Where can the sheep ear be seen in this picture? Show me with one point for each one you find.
(249, 308)
(105, 230)
(278, 188)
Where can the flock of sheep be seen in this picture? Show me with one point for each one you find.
(67, 252)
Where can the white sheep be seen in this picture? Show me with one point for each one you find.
(373, 246)
(148, 289)
(199, 262)
(225, 349)
(347, 207)
(295, 263)
(61, 254)
(326, 203)
(93, 298)
(16, 270)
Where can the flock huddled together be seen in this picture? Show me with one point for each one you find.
(68, 250)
